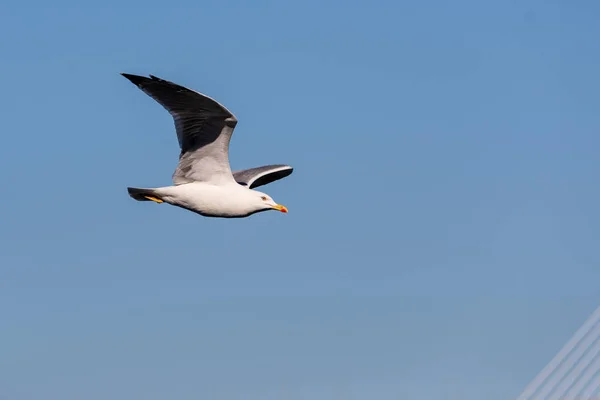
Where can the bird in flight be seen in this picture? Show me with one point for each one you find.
(203, 180)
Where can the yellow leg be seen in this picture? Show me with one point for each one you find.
(154, 199)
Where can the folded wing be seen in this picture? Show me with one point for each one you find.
(259, 176)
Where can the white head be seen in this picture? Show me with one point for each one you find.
(264, 202)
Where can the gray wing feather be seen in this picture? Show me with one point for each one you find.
(259, 176)
(204, 128)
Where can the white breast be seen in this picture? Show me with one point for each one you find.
(231, 200)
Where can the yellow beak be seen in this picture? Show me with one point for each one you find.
(281, 208)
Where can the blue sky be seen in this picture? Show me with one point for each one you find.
(443, 225)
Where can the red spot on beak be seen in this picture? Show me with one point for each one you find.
(281, 208)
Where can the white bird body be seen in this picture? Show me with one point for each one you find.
(231, 200)
(203, 180)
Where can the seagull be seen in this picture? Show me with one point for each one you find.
(203, 180)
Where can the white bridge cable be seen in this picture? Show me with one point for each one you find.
(576, 350)
(580, 375)
(556, 370)
(592, 388)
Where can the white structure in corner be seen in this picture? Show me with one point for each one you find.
(574, 373)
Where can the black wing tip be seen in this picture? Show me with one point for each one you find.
(135, 79)
(138, 79)
(282, 169)
(285, 168)
(279, 167)
(273, 176)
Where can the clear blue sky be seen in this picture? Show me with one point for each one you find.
(442, 240)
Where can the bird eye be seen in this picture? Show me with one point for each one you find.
(264, 198)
